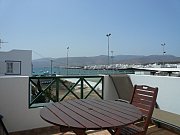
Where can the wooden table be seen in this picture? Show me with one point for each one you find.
(85, 114)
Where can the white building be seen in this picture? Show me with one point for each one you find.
(16, 62)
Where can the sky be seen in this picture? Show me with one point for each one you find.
(48, 27)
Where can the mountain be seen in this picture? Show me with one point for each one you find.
(152, 59)
(102, 60)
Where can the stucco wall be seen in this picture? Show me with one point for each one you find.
(169, 90)
(168, 95)
(14, 105)
(25, 56)
(17, 115)
(109, 89)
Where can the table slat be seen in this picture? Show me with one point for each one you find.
(70, 121)
(98, 113)
(87, 114)
(101, 123)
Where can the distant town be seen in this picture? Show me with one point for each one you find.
(125, 66)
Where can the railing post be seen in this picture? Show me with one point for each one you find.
(82, 87)
(57, 89)
(102, 87)
(29, 93)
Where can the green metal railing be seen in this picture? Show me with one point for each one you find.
(43, 90)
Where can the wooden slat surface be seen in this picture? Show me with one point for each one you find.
(90, 114)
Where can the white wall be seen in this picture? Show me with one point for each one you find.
(17, 116)
(14, 105)
(168, 94)
(169, 90)
(25, 56)
(109, 89)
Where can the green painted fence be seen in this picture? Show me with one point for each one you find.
(43, 90)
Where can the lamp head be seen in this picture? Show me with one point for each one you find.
(108, 35)
(163, 44)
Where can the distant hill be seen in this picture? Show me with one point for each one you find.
(152, 59)
(102, 60)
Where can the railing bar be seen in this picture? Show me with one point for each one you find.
(88, 83)
(33, 83)
(93, 88)
(49, 85)
(70, 89)
(36, 98)
(42, 91)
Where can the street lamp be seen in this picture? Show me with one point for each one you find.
(67, 59)
(109, 34)
(51, 66)
(112, 56)
(163, 45)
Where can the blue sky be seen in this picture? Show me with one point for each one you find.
(48, 27)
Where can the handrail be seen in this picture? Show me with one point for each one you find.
(43, 90)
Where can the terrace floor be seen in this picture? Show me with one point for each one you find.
(153, 130)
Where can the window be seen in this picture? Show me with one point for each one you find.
(9, 67)
(13, 67)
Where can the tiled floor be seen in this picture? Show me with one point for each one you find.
(55, 131)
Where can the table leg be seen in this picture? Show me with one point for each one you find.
(64, 129)
(79, 131)
(76, 131)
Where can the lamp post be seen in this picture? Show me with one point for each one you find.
(163, 45)
(67, 59)
(108, 35)
(112, 56)
(51, 66)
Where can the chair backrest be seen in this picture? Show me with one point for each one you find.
(144, 97)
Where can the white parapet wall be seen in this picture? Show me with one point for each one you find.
(14, 105)
(18, 117)
(169, 90)
(110, 92)
(168, 94)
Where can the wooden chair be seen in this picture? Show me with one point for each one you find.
(144, 97)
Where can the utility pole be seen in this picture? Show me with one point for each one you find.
(163, 45)
(67, 59)
(112, 57)
(51, 66)
(108, 35)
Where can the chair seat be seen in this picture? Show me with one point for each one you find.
(132, 130)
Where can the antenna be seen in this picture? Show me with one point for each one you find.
(1, 42)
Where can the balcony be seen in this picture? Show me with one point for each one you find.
(20, 107)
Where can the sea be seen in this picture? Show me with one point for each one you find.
(75, 71)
